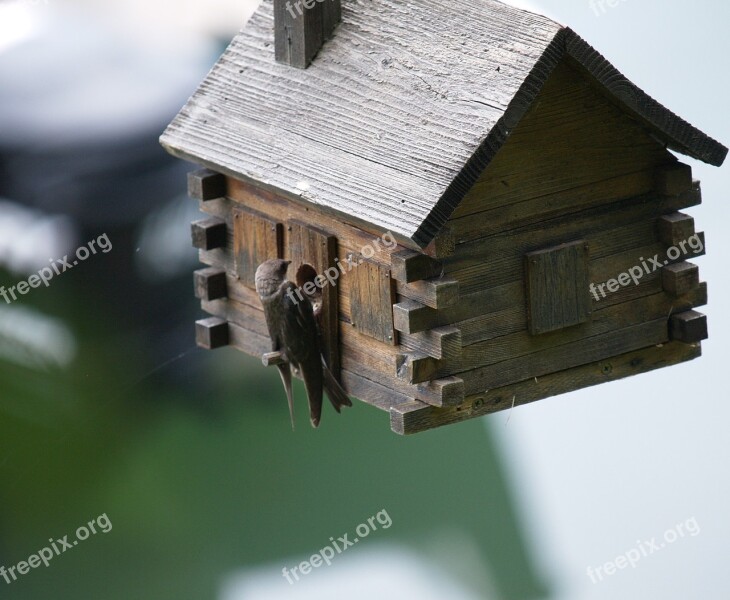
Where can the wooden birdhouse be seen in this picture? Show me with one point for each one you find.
(501, 205)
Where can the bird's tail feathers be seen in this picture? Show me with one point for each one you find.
(285, 373)
(335, 393)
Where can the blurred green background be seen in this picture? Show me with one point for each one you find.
(198, 470)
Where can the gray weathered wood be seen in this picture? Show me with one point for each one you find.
(412, 112)
(298, 31)
(410, 316)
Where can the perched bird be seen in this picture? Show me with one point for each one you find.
(294, 332)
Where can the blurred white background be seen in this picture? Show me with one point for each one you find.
(600, 469)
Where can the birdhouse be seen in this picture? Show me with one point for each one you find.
(484, 211)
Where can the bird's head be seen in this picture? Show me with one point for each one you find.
(270, 275)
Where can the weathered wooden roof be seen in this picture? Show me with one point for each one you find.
(400, 111)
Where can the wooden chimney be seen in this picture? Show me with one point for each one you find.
(301, 27)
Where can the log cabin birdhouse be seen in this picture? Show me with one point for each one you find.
(502, 207)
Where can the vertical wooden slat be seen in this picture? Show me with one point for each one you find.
(372, 299)
(255, 240)
(387, 299)
(317, 248)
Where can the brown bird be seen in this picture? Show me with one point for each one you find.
(294, 332)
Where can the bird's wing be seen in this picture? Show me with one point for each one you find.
(273, 325)
(301, 340)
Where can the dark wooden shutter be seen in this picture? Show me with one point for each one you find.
(372, 295)
(557, 281)
(256, 239)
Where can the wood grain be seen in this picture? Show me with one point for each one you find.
(675, 228)
(607, 229)
(680, 278)
(415, 417)
(371, 302)
(256, 239)
(401, 111)
(556, 287)
(413, 317)
(408, 266)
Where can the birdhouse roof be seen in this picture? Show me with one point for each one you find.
(400, 111)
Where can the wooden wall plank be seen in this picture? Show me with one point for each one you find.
(208, 234)
(613, 318)
(439, 342)
(591, 130)
(410, 316)
(374, 393)
(673, 178)
(675, 228)
(438, 293)
(408, 266)
(415, 417)
(557, 358)
(681, 278)
(493, 220)
(606, 229)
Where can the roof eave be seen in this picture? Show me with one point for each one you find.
(676, 133)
